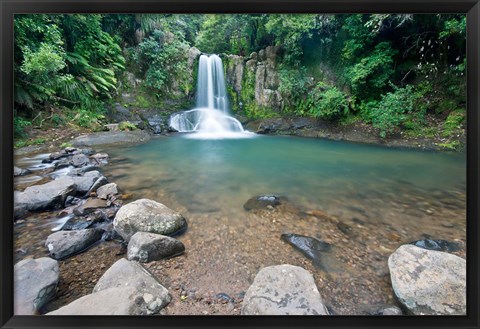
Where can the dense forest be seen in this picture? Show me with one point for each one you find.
(395, 72)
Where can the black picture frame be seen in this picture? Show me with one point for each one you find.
(9, 7)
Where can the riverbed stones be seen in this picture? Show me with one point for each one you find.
(129, 274)
(146, 247)
(428, 282)
(51, 195)
(106, 191)
(35, 283)
(63, 244)
(261, 202)
(146, 215)
(283, 290)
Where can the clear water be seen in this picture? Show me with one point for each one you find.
(310, 172)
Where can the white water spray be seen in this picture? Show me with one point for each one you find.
(210, 118)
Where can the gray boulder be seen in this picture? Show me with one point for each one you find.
(79, 160)
(112, 137)
(126, 274)
(105, 191)
(85, 182)
(90, 206)
(100, 158)
(51, 195)
(146, 215)
(63, 244)
(283, 290)
(428, 282)
(113, 301)
(35, 283)
(146, 247)
(20, 171)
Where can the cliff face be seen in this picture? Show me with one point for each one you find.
(253, 81)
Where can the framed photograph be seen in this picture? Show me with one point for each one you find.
(239, 164)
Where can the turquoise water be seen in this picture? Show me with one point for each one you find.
(211, 175)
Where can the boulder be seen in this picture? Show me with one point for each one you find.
(112, 137)
(63, 244)
(99, 182)
(51, 195)
(146, 247)
(79, 160)
(90, 206)
(146, 215)
(113, 301)
(85, 182)
(20, 171)
(100, 158)
(388, 310)
(261, 201)
(283, 290)
(105, 191)
(428, 282)
(127, 274)
(35, 283)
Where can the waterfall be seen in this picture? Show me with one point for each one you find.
(209, 119)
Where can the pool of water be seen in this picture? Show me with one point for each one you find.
(221, 175)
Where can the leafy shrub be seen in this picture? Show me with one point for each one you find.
(88, 119)
(126, 125)
(19, 125)
(397, 108)
(453, 123)
(327, 102)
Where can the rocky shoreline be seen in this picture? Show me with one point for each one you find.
(146, 234)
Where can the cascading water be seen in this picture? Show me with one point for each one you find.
(210, 118)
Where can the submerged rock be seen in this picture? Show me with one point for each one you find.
(438, 245)
(262, 201)
(310, 247)
(428, 282)
(51, 195)
(146, 247)
(35, 283)
(283, 290)
(63, 244)
(146, 215)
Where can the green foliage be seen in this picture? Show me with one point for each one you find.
(327, 102)
(453, 124)
(19, 125)
(87, 118)
(401, 106)
(29, 142)
(126, 125)
(162, 60)
(64, 60)
(373, 72)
